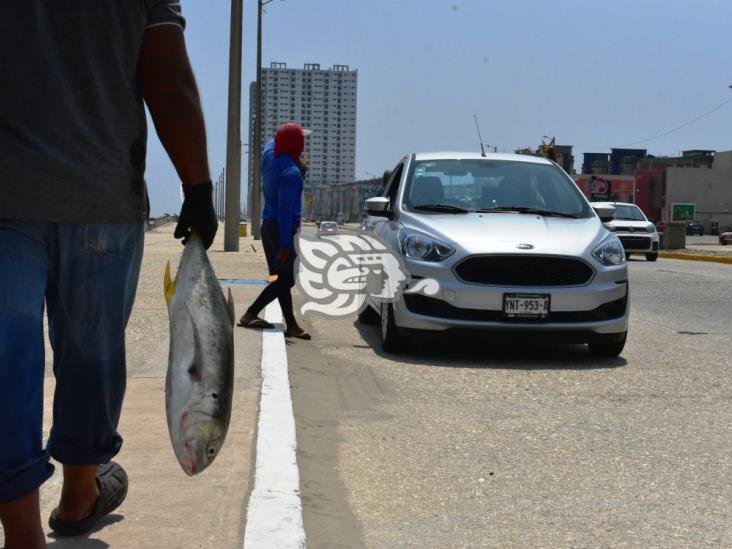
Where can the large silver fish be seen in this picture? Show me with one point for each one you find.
(200, 380)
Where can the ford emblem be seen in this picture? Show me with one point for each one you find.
(524, 246)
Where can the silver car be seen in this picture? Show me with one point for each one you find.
(514, 246)
(637, 234)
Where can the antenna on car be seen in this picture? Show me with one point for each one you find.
(482, 148)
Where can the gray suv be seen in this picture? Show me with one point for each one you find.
(514, 246)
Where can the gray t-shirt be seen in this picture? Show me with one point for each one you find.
(73, 133)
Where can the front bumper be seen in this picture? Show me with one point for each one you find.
(599, 308)
(637, 242)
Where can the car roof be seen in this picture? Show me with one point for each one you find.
(458, 155)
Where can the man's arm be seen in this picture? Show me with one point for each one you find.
(171, 94)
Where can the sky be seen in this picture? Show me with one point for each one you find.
(595, 74)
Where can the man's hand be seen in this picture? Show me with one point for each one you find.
(197, 214)
(283, 255)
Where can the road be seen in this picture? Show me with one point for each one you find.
(459, 444)
(456, 443)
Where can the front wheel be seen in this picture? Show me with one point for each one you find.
(391, 340)
(368, 316)
(609, 349)
(651, 257)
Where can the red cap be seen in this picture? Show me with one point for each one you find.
(290, 139)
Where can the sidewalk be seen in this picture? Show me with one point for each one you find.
(164, 507)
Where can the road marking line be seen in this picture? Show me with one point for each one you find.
(274, 515)
(243, 281)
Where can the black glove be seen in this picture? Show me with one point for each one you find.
(197, 214)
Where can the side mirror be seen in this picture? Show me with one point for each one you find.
(605, 213)
(378, 206)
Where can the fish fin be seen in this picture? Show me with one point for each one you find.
(194, 370)
(168, 285)
(230, 307)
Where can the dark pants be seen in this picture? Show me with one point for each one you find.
(280, 288)
(87, 277)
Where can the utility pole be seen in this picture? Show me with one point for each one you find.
(233, 133)
(256, 151)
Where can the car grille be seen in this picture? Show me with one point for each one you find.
(524, 270)
(635, 242)
(429, 306)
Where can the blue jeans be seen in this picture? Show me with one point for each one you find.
(87, 276)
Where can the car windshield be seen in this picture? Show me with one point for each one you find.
(460, 186)
(628, 212)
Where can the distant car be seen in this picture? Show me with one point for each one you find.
(660, 227)
(327, 228)
(631, 226)
(694, 227)
(725, 238)
(364, 225)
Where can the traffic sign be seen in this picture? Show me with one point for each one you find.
(682, 211)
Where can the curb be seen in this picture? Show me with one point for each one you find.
(696, 257)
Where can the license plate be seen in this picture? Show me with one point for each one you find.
(526, 305)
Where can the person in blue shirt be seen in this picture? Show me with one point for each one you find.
(282, 174)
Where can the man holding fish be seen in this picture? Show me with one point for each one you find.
(72, 160)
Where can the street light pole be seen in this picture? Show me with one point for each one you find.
(255, 159)
(233, 133)
(256, 209)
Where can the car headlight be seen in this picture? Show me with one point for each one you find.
(651, 228)
(610, 252)
(416, 245)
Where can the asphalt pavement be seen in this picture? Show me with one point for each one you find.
(463, 444)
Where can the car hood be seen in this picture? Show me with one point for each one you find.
(503, 232)
(626, 223)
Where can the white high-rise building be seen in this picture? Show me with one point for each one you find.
(323, 100)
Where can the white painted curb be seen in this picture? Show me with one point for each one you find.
(274, 515)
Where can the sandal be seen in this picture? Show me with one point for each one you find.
(256, 323)
(302, 334)
(112, 484)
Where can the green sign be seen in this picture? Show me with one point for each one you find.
(683, 212)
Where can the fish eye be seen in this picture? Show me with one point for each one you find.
(214, 395)
(211, 451)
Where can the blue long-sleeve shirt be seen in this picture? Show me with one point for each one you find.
(282, 187)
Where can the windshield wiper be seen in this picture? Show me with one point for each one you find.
(522, 210)
(440, 208)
